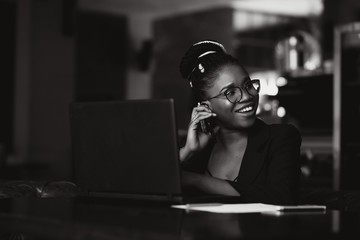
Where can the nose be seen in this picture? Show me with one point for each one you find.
(245, 95)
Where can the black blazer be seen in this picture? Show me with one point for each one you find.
(270, 170)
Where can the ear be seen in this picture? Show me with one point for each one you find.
(206, 103)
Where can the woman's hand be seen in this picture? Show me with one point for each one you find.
(196, 139)
(207, 184)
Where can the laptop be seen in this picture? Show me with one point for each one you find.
(128, 150)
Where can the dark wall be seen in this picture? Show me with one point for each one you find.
(7, 63)
(49, 88)
(336, 12)
(101, 56)
(308, 101)
(350, 110)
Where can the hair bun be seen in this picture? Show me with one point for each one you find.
(197, 50)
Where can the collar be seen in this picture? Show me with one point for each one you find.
(255, 152)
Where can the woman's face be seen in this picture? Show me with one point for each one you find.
(239, 115)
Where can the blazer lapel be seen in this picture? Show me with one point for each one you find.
(254, 157)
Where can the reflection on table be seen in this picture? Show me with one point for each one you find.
(75, 218)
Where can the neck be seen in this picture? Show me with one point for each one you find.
(231, 138)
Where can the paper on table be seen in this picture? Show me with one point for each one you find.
(247, 207)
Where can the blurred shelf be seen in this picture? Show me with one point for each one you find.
(352, 84)
(317, 144)
(307, 73)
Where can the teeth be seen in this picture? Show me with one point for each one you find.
(247, 109)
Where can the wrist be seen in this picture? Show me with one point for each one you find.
(185, 153)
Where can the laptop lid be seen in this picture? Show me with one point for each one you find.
(126, 148)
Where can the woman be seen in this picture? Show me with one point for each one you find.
(241, 155)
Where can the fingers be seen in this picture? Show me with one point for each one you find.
(198, 117)
(202, 115)
(201, 108)
(199, 113)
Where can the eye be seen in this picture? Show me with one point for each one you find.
(248, 84)
(251, 85)
(230, 92)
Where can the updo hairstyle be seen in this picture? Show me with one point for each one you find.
(201, 63)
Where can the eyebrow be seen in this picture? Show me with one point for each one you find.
(227, 87)
(233, 85)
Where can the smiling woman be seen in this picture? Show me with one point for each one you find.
(241, 155)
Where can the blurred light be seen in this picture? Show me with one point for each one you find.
(281, 81)
(273, 90)
(310, 65)
(267, 106)
(267, 82)
(293, 55)
(281, 112)
(300, 51)
(243, 20)
(292, 41)
(305, 170)
(299, 8)
(162, 8)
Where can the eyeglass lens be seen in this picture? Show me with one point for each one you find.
(235, 94)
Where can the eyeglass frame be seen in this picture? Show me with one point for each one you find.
(241, 91)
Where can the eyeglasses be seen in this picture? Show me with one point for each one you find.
(234, 94)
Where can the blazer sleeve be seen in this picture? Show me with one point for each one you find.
(278, 182)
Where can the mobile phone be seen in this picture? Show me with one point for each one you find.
(207, 125)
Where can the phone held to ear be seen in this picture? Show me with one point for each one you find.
(207, 125)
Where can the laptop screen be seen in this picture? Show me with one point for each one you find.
(125, 147)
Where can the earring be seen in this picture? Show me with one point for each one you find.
(201, 68)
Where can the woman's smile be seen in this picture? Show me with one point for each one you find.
(246, 109)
